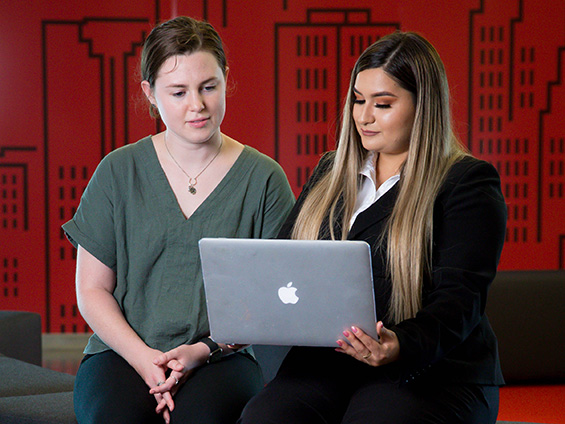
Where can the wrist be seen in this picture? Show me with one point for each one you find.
(214, 350)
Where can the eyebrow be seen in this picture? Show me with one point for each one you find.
(209, 80)
(377, 94)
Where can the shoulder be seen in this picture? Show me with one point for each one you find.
(472, 181)
(252, 155)
(325, 165)
(116, 170)
(121, 160)
(259, 173)
(129, 152)
(258, 163)
(470, 173)
(469, 167)
(326, 161)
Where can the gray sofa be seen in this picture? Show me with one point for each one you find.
(30, 394)
(525, 310)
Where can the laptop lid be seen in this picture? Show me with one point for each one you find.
(287, 292)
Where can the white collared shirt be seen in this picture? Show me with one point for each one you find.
(368, 192)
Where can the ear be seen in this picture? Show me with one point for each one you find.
(146, 87)
(227, 73)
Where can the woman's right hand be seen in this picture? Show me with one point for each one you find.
(181, 361)
(95, 284)
(154, 375)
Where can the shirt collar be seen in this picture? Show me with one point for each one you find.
(368, 168)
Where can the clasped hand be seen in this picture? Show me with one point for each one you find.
(178, 363)
(366, 349)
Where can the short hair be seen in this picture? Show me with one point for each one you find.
(179, 36)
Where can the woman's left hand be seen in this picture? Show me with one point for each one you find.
(366, 349)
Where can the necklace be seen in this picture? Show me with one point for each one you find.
(192, 181)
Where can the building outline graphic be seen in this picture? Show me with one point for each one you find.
(510, 104)
(313, 63)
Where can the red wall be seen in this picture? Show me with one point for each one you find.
(69, 93)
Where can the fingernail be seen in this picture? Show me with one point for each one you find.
(346, 333)
(354, 329)
(339, 342)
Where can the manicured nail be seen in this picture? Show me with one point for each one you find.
(340, 343)
(346, 333)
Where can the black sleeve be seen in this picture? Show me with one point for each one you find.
(469, 232)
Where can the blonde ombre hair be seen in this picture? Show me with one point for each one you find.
(413, 63)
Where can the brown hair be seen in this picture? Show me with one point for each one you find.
(179, 36)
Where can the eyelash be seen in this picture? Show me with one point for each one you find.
(206, 89)
(377, 105)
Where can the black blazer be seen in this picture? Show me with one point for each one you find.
(450, 338)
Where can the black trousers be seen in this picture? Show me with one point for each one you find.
(109, 390)
(309, 390)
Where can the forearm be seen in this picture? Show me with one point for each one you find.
(95, 284)
(104, 316)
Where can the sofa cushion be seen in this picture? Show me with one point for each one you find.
(20, 335)
(46, 408)
(19, 378)
(526, 311)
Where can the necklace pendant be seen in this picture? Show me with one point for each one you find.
(191, 189)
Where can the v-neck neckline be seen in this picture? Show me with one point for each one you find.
(164, 192)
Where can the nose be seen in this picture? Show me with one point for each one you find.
(195, 102)
(366, 115)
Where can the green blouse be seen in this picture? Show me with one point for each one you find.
(130, 220)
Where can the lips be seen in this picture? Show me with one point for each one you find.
(367, 133)
(198, 123)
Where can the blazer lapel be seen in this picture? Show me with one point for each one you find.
(375, 213)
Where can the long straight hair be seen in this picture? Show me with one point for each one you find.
(412, 62)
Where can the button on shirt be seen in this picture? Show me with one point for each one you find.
(368, 193)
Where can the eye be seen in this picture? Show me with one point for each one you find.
(208, 88)
(382, 105)
(178, 94)
(358, 101)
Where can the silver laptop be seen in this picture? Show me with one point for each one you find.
(287, 292)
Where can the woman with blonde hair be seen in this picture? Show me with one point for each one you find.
(435, 219)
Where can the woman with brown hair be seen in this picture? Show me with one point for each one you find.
(139, 281)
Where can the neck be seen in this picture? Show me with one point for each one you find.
(388, 165)
(192, 154)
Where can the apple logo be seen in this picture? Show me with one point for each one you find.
(288, 294)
